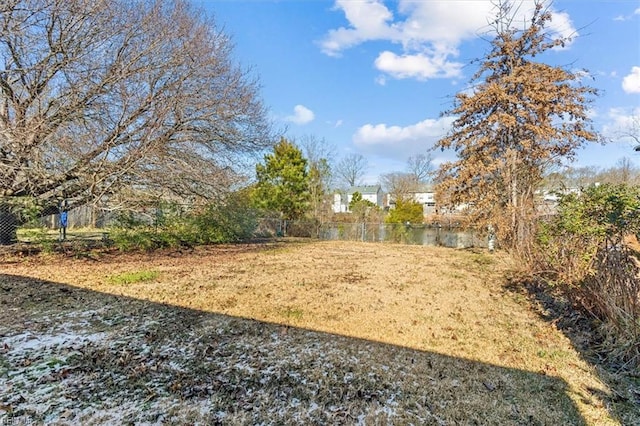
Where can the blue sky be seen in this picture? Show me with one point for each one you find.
(372, 77)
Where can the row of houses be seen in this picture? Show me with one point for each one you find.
(425, 195)
(373, 193)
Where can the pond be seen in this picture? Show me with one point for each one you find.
(408, 234)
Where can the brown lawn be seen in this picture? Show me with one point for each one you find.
(446, 341)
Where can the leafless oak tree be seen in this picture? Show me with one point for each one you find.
(96, 96)
(420, 167)
(351, 169)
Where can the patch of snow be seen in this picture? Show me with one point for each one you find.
(29, 341)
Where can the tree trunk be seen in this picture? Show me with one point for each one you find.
(513, 199)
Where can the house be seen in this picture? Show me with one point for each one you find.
(548, 200)
(372, 193)
(424, 195)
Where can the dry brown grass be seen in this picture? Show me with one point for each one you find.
(477, 351)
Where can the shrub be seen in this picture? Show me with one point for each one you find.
(229, 220)
(406, 211)
(584, 251)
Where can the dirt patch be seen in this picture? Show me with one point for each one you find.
(335, 332)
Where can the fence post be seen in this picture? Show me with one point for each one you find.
(64, 219)
(491, 243)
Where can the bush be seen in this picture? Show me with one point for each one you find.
(406, 211)
(230, 220)
(584, 251)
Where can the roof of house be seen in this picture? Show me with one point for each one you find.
(365, 189)
(425, 187)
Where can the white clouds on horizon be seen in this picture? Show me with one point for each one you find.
(398, 142)
(301, 115)
(430, 33)
(631, 82)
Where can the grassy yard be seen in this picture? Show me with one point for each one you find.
(282, 333)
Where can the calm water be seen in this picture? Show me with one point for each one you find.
(428, 236)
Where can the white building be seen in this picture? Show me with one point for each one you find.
(424, 195)
(372, 193)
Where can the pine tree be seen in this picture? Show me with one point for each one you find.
(283, 181)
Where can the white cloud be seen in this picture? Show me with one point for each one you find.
(400, 142)
(627, 17)
(368, 20)
(301, 115)
(442, 22)
(429, 32)
(631, 82)
(419, 66)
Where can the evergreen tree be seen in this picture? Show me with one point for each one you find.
(283, 181)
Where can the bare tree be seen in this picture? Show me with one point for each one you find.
(96, 96)
(351, 169)
(319, 154)
(581, 177)
(400, 186)
(623, 172)
(421, 167)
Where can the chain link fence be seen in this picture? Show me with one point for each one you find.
(95, 222)
(418, 234)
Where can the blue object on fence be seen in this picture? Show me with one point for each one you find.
(63, 219)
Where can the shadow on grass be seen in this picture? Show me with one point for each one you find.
(69, 356)
(623, 402)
